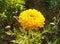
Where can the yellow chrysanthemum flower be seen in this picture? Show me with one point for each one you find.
(31, 18)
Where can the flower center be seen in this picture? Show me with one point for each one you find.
(32, 16)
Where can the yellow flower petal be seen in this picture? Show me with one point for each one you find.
(31, 18)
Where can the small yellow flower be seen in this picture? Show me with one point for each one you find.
(31, 18)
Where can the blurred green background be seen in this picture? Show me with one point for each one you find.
(10, 10)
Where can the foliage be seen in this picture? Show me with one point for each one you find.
(10, 27)
(28, 36)
(10, 8)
